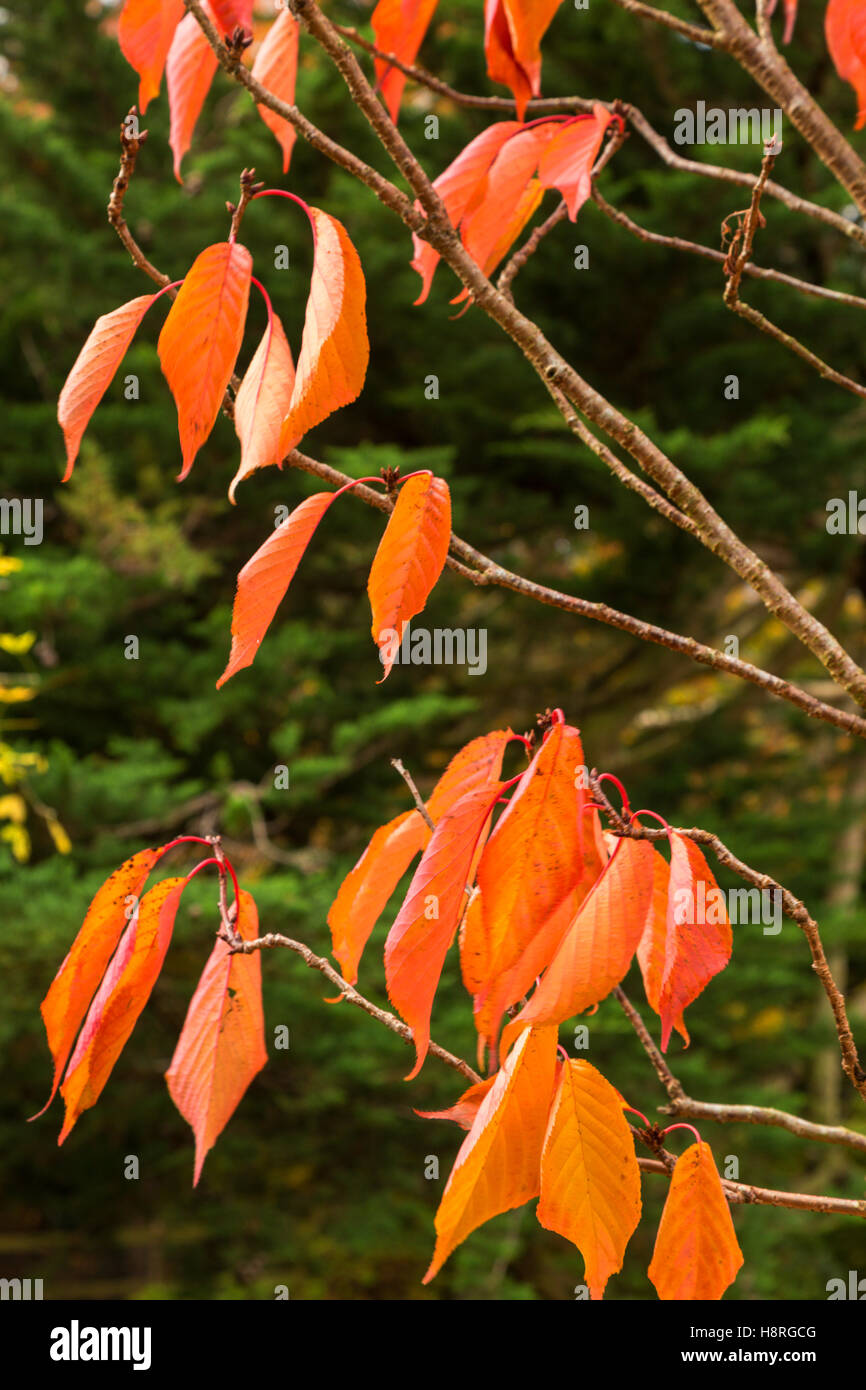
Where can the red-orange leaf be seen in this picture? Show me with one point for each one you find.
(276, 67)
(189, 71)
(262, 401)
(460, 186)
(426, 923)
(696, 1254)
(598, 949)
(222, 1043)
(590, 1180)
(497, 1167)
(230, 14)
(123, 993)
(566, 163)
(399, 27)
(365, 891)
(510, 197)
(264, 579)
(478, 762)
(94, 368)
(409, 560)
(334, 349)
(513, 30)
(845, 28)
(73, 987)
(652, 945)
(201, 338)
(698, 936)
(464, 1110)
(145, 31)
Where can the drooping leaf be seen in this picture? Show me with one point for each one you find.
(94, 369)
(464, 1110)
(409, 560)
(513, 30)
(364, 892)
(508, 199)
(201, 338)
(189, 71)
(334, 349)
(426, 923)
(598, 948)
(566, 162)
(222, 1043)
(474, 765)
(459, 186)
(498, 1166)
(262, 401)
(698, 936)
(75, 983)
(145, 32)
(590, 1180)
(399, 27)
(117, 1004)
(264, 579)
(845, 29)
(790, 17)
(276, 67)
(696, 1254)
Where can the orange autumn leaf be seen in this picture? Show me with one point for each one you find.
(696, 1254)
(221, 1047)
(230, 14)
(534, 857)
(465, 1109)
(478, 762)
(597, 951)
(566, 163)
(262, 401)
(399, 27)
(410, 558)
(845, 29)
(75, 983)
(460, 186)
(145, 32)
(189, 71)
(264, 579)
(498, 1165)
(513, 30)
(486, 232)
(364, 893)
(276, 67)
(698, 938)
(117, 1004)
(334, 348)
(418, 941)
(590, 1180)
(94, 369)
(651, 947)
(201, 338)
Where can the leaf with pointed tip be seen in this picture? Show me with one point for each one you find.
(201, 339)
(94, 369)
(498, 1165)
(460, 186)
(474, 765)
(698, 936)
(222, 1043)
(262, 401)
(276, 67)
(597, 951)
(364, 893)
(464, 1110)
(696, 1254)
(418, 941)
(117, 1004)
(334, 348)
(75, 983)
(590, 1180)
(189, 70)
(567, 161)
(409, 560)
(399, 27)
(145, 32)
(502, 63)
(264, 579)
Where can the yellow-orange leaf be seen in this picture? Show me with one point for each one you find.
(264, 579)
(409, 560)
(145, 31)
(262, 401)
(94, 368)
(189, 71)
(222, 1043)
(334, 349)
(464, 1110)
(478, 762)
(399, 27)
(276, 67)
(590, 1180)
(123, 993)
(696, 1254)
(74, 985)
(498, 1165)
(201, 339)
(364, 892)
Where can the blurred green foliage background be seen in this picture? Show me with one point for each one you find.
(318, 1182)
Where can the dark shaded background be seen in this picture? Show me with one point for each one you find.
(318, 1182)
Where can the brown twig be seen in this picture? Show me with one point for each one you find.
(746, 1194)
(129, 148)
(416, 795)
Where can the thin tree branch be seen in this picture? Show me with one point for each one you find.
(416, 795)
(697, 33)
(746, 1194)
(129, 148)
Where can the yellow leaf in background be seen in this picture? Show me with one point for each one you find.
(62, 842)
(16, 694)
(16, 643)
(19, 840)
(13, 808)
(9, 564)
